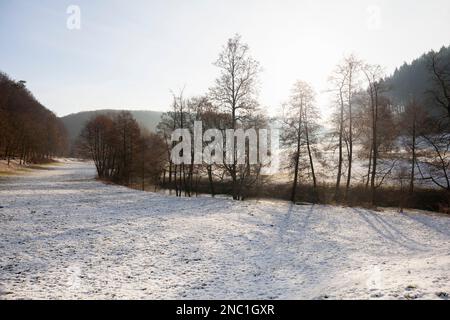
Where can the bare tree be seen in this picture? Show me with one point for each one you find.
(338, 79)
(345, 83)
(352, 65)
(235, 93)
(433, 159)
(95, 143)
(373, 74)
(412, 123)
(310, 118)
(299, 130)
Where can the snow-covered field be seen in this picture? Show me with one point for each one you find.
(65, 235)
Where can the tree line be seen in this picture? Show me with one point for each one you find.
(401, 142)
(375, 150)
(30, 133)
(122, 151)
(389, 144)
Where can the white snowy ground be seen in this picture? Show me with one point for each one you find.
(65, 235)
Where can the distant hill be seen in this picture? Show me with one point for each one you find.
(75, 122)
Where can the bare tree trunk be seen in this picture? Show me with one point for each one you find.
(370, 167)
(143, 175)
(350, 135)
(210, 178)
(311, 162)
(374, 146)
(191, 176)
(175, 179)
(413, 160)
(294, 185)
(341, 130)
(297, 159)
(233, 166)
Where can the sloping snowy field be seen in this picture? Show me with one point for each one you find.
(65, 235)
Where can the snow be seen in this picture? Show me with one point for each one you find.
(65, 235)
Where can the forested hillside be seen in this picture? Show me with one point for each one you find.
(29, 132)
(417, 80)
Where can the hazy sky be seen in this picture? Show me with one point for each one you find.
(130, 54)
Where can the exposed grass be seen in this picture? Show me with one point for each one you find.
(14, 168)
(15, 172)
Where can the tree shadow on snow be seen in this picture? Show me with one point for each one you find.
(433, 224)
(388, 231)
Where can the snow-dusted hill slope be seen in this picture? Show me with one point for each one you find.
(65, 235)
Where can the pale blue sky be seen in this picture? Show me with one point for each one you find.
(130, 54)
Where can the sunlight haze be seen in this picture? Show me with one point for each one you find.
(132, 56)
